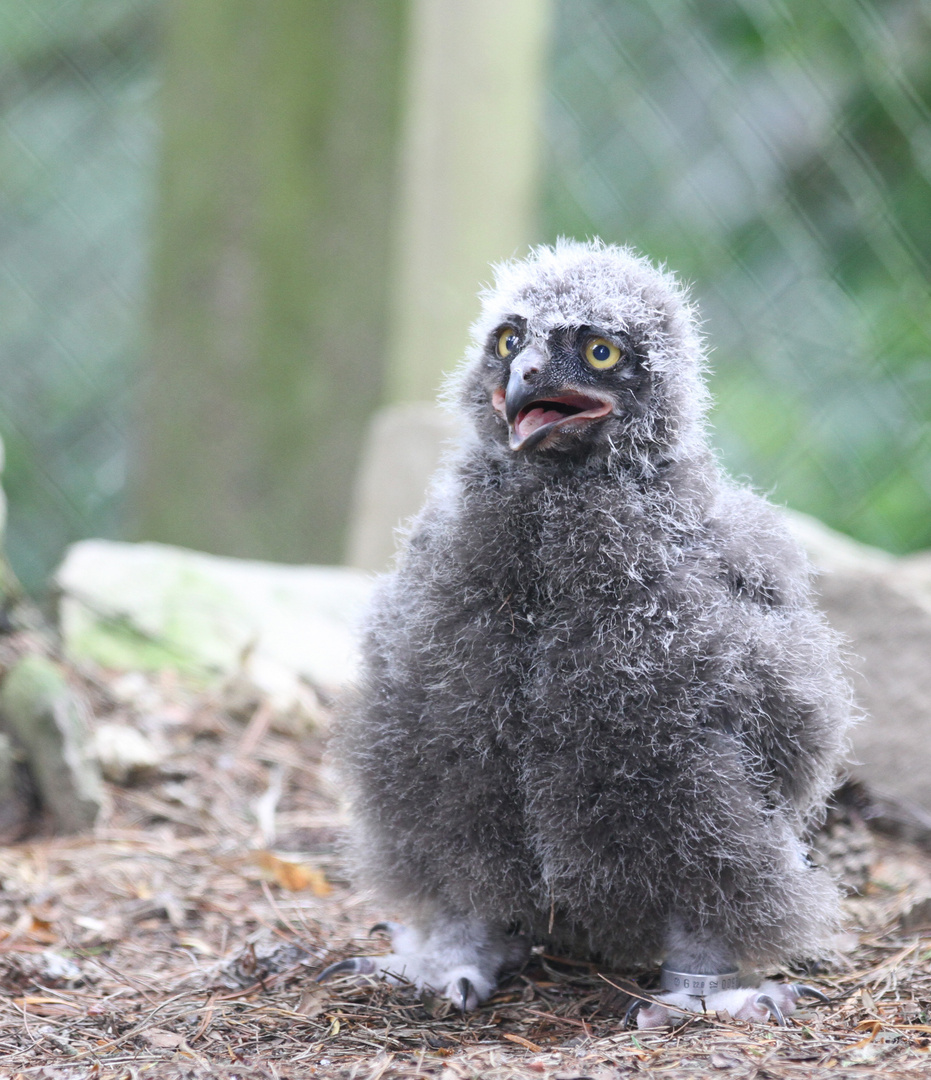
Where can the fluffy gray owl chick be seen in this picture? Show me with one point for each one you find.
(598, 705)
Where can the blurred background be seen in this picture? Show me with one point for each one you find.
(232, 229)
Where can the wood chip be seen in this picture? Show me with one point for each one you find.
(178, 951)
(521, 1041)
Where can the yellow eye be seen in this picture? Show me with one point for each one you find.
(602, 354)
(508, 341)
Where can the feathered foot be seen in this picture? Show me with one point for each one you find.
(460, 959)
(769, 999)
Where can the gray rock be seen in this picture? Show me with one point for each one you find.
(7, 769)
(123, 753)
(882, 604)
(16, 801)
(151, 606)
(46, 720)
(403, 448)
(917, 916)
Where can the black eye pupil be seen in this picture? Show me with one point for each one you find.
(601, 352)
(511, 342)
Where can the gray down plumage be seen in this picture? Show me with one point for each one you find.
(597, 702)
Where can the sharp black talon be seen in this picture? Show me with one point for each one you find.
(630, 1017)
(336, 969)
(804, 990)
(380, 928)
(774, 1010)
(355, 965)
(465, 988)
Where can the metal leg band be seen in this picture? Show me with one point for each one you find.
(685, 982)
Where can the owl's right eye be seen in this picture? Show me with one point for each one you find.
(508, 342)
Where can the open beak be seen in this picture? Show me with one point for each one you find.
(536, 410)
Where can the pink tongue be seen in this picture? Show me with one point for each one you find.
(536, 418)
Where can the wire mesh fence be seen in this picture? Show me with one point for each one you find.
(776, 153)
(76, 162)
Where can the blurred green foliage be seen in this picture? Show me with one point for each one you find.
(778, 156)
(77, 143)
(776, 153)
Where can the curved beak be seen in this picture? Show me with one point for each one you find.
(524, 383)
(536, 408)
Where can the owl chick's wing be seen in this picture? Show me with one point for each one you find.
(787, 701)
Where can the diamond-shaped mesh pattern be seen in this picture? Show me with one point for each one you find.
(76, 162)
(776, 153)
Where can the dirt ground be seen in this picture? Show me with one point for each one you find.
(181, 939)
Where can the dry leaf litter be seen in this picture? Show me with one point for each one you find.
(182, 937)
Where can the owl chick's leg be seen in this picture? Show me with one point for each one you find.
(699, 975)
(459, 958)
(759, 1003)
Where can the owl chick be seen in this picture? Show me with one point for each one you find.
(598, 708)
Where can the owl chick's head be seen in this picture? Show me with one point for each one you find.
(586, 349)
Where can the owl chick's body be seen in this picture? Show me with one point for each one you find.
(598, 704)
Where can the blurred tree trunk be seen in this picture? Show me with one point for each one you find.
(269, 310)
(470, 169)
(469, 187)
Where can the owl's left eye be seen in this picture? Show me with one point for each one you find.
(601, 354)
(508, 342)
